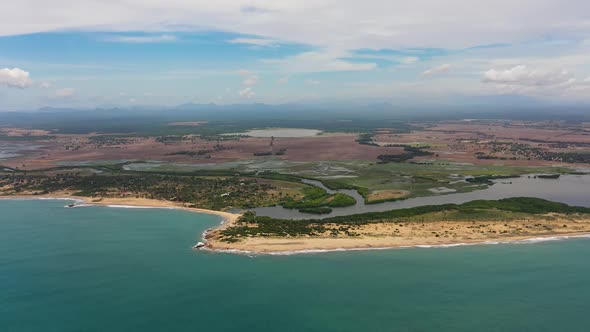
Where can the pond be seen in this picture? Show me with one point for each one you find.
(280, 132)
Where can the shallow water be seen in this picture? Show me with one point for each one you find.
(569, 189)
(11, 150)
(109, 269)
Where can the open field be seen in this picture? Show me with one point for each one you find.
(476, 142)
(492, 142)
(190, 149)
(406, 160)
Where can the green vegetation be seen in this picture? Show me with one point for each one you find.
(316, 210)
(487, 179)
(503, 209)
(217, 193)
(415, 178)
(317, 200)
(341, 200)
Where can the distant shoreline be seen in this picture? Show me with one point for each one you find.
(227, 217)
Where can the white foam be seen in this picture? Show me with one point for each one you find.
(135, 207)
(43, 199)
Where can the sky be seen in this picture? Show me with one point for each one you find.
(103, 53)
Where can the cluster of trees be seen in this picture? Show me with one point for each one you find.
(209, 192)
(516, 151)
(409, 153)
(108, 140)
(366, 139)
(200, 152)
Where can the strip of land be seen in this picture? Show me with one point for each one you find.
(511, 219)
(410, 235)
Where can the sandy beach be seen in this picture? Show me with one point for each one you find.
(228, 218)
(398, 235)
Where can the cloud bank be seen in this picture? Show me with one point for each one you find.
(15, 78)
(342, 24)
(523, 75)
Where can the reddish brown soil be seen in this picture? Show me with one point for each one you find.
(450, 141)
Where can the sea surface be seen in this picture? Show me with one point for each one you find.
(115, 269)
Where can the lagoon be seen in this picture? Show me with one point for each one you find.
(569, 189)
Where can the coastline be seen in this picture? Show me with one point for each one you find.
(334, 247)
(306, 245)
(390, 235)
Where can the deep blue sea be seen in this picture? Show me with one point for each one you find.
(114, 269)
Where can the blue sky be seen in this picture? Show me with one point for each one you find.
(100, 53)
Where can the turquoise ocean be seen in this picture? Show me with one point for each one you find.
(116, 269)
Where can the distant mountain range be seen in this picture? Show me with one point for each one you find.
(481, 107)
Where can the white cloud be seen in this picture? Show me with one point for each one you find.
(437, 70)
(15, 78)
(409, 60)
(141, 39)
(65, 93)
(546, 82)
(522, 75)
(253, 41)
(283, 80)
(246, 93)
(347, 24)
(45, 85)
(312, 82)
(320, 61)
